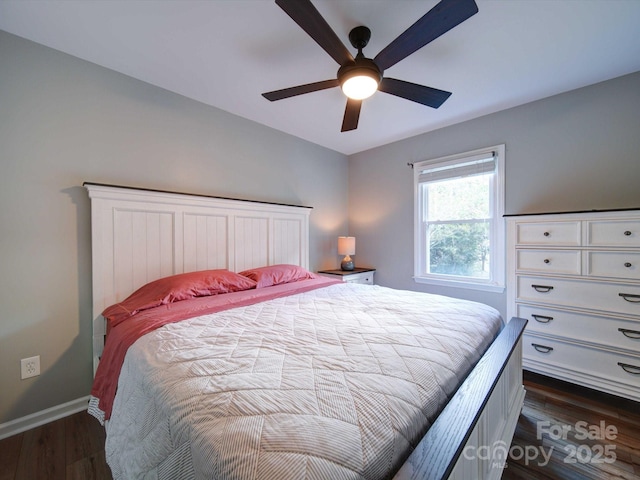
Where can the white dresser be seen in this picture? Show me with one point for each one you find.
(576, 278)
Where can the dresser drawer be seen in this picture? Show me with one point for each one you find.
(610, 233)
(613, 264)
(549, 261)
(610, 297)
(548, 233)
(615, 332)
(591, 362)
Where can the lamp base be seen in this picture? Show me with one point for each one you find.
(347, 265)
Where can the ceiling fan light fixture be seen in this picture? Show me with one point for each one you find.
(359, 80)
(359, 87)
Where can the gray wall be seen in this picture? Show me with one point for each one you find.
(64, 121)
(575, 151)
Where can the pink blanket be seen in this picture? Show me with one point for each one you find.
(124, 334)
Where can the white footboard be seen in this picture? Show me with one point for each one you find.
(486, 451)
(472, 436)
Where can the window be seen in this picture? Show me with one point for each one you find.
(459, 229)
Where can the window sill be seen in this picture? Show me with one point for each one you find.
(486, 287)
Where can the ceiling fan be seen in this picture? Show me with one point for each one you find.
(360, 77)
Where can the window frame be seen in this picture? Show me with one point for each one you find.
(496, 280)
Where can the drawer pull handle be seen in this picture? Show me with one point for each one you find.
(628, 265)
(543, 318)
(542, 348)
(627, 233)
(630, 297)
(546, 260)
(635, 334)
(546, 288)
(546, 234)
(632, 369)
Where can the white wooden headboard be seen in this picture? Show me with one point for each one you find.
(141, 235)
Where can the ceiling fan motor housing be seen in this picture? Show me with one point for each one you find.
(360, 66)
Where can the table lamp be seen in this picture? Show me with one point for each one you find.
(346, 247)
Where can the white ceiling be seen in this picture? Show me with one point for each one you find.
(225, 53)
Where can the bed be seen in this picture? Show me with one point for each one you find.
(227, 358)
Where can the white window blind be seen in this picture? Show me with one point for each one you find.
(475, 165)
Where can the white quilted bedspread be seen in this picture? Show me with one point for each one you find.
(336, 383)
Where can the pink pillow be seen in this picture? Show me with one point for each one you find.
(176, 288)
(277, 274)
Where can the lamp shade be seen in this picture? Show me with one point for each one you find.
(346, 245)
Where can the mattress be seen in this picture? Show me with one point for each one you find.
(337, 382)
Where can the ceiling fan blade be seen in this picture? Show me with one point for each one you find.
(431, 97)
(351, 115)
(309, 19)
(437, 21)
(300, 90)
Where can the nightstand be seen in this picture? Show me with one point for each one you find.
(357, 275)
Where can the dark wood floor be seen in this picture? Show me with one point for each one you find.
(73, 447)
(590, 435)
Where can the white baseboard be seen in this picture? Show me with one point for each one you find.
(34, 420)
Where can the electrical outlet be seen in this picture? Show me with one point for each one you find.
(30, 367)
